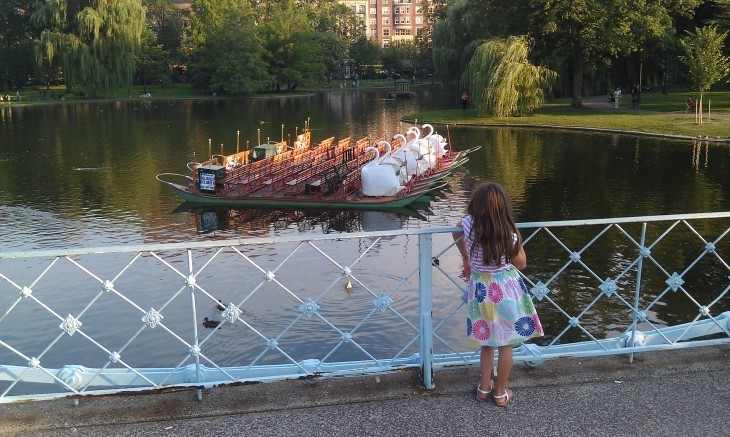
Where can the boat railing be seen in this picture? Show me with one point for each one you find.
(130, 318)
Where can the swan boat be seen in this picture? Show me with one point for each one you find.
(364, 174)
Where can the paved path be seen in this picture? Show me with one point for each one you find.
(683, 392)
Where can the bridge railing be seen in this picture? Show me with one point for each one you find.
(103, 320)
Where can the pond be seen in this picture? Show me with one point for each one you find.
(83, 175)
(87, 171)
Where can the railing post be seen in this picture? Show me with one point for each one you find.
(196, 348)
(638, 288)
(425, 303)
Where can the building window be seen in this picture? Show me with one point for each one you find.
(386, 43)
(386, 20)
(386, 11)
(402, 32)
(361, 9)
(385, 2)
(373, 2)
(374, 33)
(419, 20)
(419, 30)
(419, 9)
(402, 20)
(373, 21)
(386, 32)
(373, 11)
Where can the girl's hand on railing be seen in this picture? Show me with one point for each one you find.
(466, 268)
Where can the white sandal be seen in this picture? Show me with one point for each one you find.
(482, 392)
(507, 396)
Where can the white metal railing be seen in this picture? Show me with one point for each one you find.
(101, 320)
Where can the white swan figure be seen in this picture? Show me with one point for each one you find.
(395, 164)
(406, 156)
(419, 144)
(426, 152)
(436, 140)
(378, 180)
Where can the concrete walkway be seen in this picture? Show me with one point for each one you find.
(683, 392)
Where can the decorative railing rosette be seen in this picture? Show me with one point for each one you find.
(199, 314)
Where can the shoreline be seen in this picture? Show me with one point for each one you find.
(665, 122)
(572, 128)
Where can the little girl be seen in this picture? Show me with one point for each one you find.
(500, 313)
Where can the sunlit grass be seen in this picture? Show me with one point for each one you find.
(670, 118)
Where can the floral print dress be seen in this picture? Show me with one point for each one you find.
(499, 309)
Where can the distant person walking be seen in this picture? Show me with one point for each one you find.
(464, 100)
(500, 313)
(616, 97)
(635, 96)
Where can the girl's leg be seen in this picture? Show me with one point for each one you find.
(486, 358)
(504, 365)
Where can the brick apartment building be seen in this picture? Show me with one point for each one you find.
(389, 21)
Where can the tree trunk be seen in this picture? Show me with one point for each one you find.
(578, 68)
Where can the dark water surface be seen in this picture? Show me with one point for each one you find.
(86, 171)
(83, 175)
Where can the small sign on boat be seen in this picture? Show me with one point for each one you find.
(207, 176)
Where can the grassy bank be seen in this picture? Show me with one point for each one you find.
(659, 113)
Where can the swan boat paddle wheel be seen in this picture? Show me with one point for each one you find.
(362, 174)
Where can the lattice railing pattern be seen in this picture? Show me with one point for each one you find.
(143, 317)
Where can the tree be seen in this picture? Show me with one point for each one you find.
(706, 64)
(464, 24)
(503, 82)
(152, 60)
(288, 35)
(16, 47)
(167, 22)
(227, 54)
(592, 33)
(333, 51)
(364, 52)
(722, 19)
(96, 40)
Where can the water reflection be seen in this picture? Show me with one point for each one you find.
(226, 221)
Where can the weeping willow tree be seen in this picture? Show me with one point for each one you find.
(503, 82)
(95, 40)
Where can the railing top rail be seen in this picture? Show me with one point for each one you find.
(310, 237)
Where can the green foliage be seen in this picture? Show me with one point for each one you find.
(16, 46)
(228, 55)
(449, 41)
(704, 59)
(465, 24)
(332, 50)
(152, 59)
(722, 20)
(96, 40)
(364, 52)
(167, 22)
(503, 82)
(593, 33)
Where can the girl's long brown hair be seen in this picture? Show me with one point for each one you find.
(493, 226)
